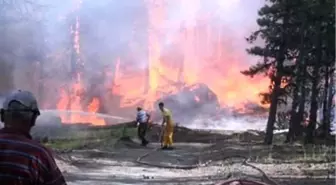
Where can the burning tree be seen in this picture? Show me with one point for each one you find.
(273, 29)
(297, 46)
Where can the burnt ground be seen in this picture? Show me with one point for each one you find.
(200, 157)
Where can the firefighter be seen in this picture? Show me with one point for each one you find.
(168, 127)
(142, 119)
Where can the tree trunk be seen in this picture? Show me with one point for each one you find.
(280, 58)
(302, 106)
(313, 106)
(294, 123)
(331, 93)
(41, 92)
(273, 109)
(315, 90)
(294, 114)
(326, 112)
(327, 109)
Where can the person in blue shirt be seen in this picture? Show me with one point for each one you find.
(142, 119)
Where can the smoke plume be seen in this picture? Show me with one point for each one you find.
(109, 56)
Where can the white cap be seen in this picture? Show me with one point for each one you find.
(26, 98)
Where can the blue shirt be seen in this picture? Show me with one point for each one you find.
(142, 116)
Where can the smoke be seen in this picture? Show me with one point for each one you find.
(41, 52)
(233, 20)
(249, 117)
(241, 123)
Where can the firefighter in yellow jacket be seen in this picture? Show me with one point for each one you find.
(168, 128)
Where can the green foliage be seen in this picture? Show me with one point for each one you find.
(272, 32)
(299, 38)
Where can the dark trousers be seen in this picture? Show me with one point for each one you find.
(142, 129)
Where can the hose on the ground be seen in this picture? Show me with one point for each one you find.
(182, 167)
(267, 179)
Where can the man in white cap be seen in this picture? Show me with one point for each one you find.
(22, 160)
(142, 119)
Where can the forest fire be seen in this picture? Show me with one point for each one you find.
(71, 99)
(197, 53)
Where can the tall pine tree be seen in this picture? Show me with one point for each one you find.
(275, 30)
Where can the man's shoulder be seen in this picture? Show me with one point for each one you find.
(40, 145)
(25, 144)
(166, 111)
(45, 153)
(142, 112)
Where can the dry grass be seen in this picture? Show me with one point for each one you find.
(247, 144)
(277, 161)
(88, 137)
(292, 153)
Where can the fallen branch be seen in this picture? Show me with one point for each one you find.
(268, 180)
(185, 167)
(225, 182)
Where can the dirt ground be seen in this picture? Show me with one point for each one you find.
(200, 157)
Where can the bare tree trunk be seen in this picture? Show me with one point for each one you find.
(294, 123)
(302, 105)
(277, 82)
(327, 104)
(313, 107)
(331, 92)
(315, 82)
(315, 90)
(326, 112)
(273, 110)
(294, 113)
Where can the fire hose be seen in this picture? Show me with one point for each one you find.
(269, 181)
(265, 178)
(182, 167)
(140, 161)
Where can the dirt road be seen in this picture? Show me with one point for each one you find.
(119, 166)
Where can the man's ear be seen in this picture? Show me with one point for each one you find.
(34, 118)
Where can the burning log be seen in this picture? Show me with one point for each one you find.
(190, 102)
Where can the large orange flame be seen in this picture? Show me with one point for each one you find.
(73, 98)
(199, 52)
(200, 56)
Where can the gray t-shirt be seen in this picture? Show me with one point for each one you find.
(142, 116)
